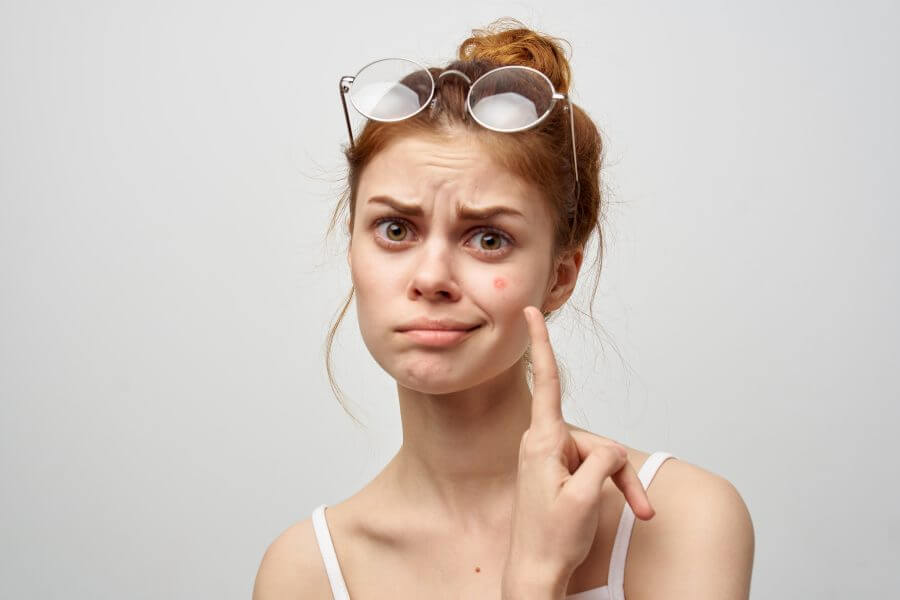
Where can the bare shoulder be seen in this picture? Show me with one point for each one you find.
(292, 567)
(700, 543)
(701, 520)
(683, 490)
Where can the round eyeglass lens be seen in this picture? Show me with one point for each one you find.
(391, 89)
(511, 99)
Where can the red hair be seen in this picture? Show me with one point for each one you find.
(541, 155)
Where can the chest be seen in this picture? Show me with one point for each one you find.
(439, 569)
(453, 568)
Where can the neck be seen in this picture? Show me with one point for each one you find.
(459, 456)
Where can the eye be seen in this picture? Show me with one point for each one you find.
(491, 242)
(493, 238)
(396, 228)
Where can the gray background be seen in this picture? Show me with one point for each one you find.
(167, 170)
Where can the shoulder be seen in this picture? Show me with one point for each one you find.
(701, 520)
(292, 567)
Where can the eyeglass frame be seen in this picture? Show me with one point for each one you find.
(347, 80)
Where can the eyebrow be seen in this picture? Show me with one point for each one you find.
(462, 212)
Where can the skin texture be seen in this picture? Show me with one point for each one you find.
(463, 408)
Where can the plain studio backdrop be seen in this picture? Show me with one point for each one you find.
(167, 172)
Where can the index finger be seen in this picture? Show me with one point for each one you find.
(545, 398)
(626, 478)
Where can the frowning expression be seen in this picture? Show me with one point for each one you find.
(443, 232)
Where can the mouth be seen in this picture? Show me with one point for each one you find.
(438, 337)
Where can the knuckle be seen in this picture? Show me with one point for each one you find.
(526, 447)
(535, 449)
(609, 454)
(528, 452)
(539, 445)
(618, 450)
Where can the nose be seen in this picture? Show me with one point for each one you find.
(433, 277)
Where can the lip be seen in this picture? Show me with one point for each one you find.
(438, 324)
(438, 338)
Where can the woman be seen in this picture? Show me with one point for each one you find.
(472, 193)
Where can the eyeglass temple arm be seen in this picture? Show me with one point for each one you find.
(574, 153)
(346, 80)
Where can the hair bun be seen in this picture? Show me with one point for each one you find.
(507, 41)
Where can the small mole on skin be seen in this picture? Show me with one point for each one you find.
(499, 283)
(478, 569)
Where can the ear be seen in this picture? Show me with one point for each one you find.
(564, 278)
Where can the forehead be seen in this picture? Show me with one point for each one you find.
(457, 169)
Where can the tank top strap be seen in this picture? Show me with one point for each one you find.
(329, 556)
(616, 578)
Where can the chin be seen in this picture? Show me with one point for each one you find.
(432, 373)
(430, 380)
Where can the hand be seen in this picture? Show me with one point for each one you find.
(560, 474)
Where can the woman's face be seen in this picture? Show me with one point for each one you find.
(430, 263)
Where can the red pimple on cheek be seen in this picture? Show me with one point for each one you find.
(499, 283)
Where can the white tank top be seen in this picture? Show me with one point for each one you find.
(613, 590)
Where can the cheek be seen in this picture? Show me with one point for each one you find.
(510, 287)
(512, 290)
